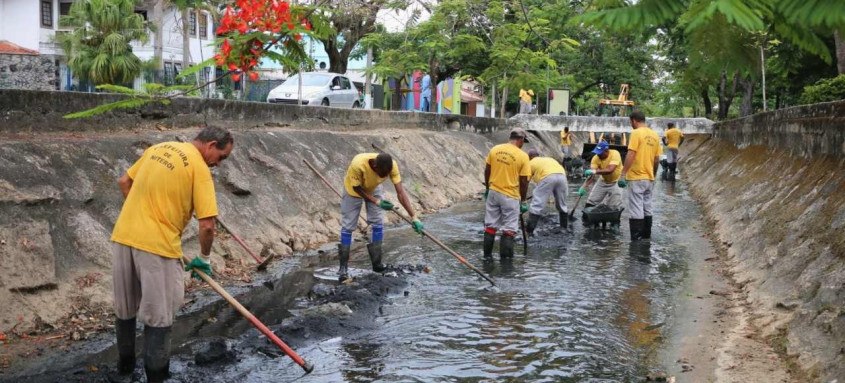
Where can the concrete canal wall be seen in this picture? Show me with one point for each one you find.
(773, 187)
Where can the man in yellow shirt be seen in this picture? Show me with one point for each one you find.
(506, 181)
(550, 179)
(639, 171)
(361, 185)
(673, 139)
(169, 182)
(565, 142)
(608, 164)
(525, 101)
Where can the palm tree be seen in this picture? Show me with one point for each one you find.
(98, 47)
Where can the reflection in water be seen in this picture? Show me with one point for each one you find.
(366, 362)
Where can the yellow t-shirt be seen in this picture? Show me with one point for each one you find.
(542, 167)
(646, 143)
(525, 95)
(565, 138)
(169, 181)
(673, 138)
(507, 163)
(361, 174)
(613, 158)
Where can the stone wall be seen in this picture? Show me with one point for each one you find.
(606, 124)
(31, 72)
(771, 185)
(806, 131)
(35, 111)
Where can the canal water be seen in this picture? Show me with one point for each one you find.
(584, 305)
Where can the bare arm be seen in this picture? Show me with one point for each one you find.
(404, 200)
(629, 161)
(487, 176)
(656, 163)
(125, 183)
(523, 188)
(206, 235)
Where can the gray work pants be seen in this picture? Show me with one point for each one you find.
(671, 155)
(350, 208)
(639, 198)
(606, 193)
(146, 285)
(553, 185)
(501, 212)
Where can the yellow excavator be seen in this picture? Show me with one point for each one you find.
(619, 107)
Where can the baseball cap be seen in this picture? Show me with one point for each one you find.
(601, 147)
(519, 133)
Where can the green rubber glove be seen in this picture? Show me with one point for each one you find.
(199, 264)
(622, 183)
(385, 204)
(486, 192)
(582, 192)
(523, 207)
(589, 172)
(418, 226)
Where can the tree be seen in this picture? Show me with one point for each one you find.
(350, 21)
(98, 46)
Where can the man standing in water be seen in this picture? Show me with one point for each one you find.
(362, 184)
(550, 179)
(506, 185)
(673, 140)
(608, 164)
(169, 182)
(566, 142)
(639, 171)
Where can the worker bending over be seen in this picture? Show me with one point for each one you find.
(362, 184)
(550, 179)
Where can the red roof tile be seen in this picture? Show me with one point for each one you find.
(14, 49)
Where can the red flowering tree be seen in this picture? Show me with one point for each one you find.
(249, 29)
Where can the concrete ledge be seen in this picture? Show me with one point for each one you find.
(806, 131)
(606, 124)
(23, 111)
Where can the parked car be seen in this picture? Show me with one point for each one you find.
(318, 88)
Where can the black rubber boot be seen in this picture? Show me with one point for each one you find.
(343, 256)
(647, 227)
(636, 228)
(125, 330)
(375, 256)
(531, 223)
(672, 168)
(489, 240)
(157, 353)
(506, 246)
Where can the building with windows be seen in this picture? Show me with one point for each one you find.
(31, 59)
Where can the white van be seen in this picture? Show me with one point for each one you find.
(318, 88)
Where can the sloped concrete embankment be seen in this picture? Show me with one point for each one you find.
(773, 187)
(59, 199)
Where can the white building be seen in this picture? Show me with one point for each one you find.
(33, 24)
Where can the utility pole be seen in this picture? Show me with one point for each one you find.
(763, 69)
(493, 106)
(368, 97)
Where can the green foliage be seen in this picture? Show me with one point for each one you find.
(831, 89)
(152, 93)
(98, 45)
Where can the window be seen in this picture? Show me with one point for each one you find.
(64, 9)
(203, 25)
(47, 14)
(192, 23)
(345, 83)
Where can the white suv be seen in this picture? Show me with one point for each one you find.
(318, 88)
